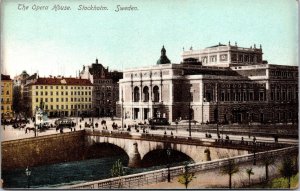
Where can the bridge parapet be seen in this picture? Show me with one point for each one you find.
(151, 177)
(220, 143)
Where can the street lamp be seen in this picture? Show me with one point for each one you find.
(254, 150)
(28, 173)
(190, 100)
(122, 112)
(169, 154)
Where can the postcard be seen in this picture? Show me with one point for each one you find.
(128, 94)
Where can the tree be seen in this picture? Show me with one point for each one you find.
(250, 172)
(288, 169)
(230, 168)
(187, 177)
(268, 159)
(118, 171)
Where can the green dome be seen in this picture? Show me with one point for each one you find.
(163, 58)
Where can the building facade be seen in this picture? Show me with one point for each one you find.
(105, 88)
(18, 89)
(241, 92)
(59, 96)
(6, 96)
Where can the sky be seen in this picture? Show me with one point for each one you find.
(61, 42)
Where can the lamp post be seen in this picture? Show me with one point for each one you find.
(254, 150)
(169, 154)
(190, 130)
(122, 112)
(28, 173)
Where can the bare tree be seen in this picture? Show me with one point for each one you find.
(249, 172)
(229, 169)
(187, 177)
(288, 169)
(268, 160)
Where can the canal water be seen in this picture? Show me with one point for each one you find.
(56, 175)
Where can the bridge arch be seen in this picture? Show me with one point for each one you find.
(160, 157)
(104, 149)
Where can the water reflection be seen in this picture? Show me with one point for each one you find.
(57, 175)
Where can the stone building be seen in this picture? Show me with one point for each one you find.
(105, 88)
(237, 89)
(6, 96)
(59, 96)
(18, 89)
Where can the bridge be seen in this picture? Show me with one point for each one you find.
(138, 147)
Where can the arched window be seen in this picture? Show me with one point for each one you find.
(136, 94)
(156, 94)
(146, 94)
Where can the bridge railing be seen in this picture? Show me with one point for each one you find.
(156, 176)
(187, 140)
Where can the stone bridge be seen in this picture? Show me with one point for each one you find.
(138, 146)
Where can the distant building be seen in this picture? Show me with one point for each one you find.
(59, 96)
(18, 89)
(6, 96)
(220, 84)
(105, 88)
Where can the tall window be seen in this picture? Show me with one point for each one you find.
(136, 96)
(146, 93)
(156, 94)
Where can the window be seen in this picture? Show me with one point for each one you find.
(56, 93)
(213, 58)
(36, 87)
(62, 107)
(42, 93)
(71, 99)
(66, 106)
(261, 96)
(46, 100)
(85, 93)
(90, 99)
(89, 93)
(46, 106)
(72, 93)
(51, 87)
(36, 93)
(61, 87)
(7, 92)
(66, 93)
(8, 108)
(86, 99)
(146, 94)
(136, 96)
(37, 100)
(57, 106)
(51, 99)
(46, 93)
(41, 87)
(272, 95)
(62, 99)
(66, 87)
(62, 93)
(56, 87)
(46, 87)
(71, 106)
(57, 100)
(51, 93)
(51, 106)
